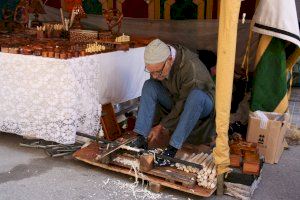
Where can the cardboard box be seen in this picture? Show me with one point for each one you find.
(269, 138)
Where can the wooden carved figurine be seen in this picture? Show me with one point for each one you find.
(76, 15)
(37, 8)
(21, 14)
(113, 19)
(7, 14)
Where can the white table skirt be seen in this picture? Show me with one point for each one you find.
(52, 99)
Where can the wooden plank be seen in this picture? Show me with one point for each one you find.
(209, 9)
(90, 153)
(235, 160)
(146, 162)
(109, 123)
(220, 185)
(175, 175)
(155, 187)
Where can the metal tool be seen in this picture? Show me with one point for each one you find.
(113, 146)
(173, 160)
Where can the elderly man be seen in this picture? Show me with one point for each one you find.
(181, 86)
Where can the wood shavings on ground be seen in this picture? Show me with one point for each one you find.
(138, 193)
(292, 136)
(130, 189)
(241, 191)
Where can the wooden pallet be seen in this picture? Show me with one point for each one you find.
(89, 154)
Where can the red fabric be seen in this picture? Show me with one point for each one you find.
(247, 7)
(135, 8)
(53, 3)
(70, 3)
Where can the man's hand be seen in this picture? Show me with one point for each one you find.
(159, 137)
(154, 133)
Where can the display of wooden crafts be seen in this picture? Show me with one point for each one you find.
(36, 7)
(76, 15)
(40, 32)
(59, 48)
(21, 14)
(26, 50)
(113, 19)
(105, 35)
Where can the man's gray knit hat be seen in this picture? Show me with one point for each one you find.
(156, 52)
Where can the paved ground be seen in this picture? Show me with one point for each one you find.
(29, 174)
(294, 107)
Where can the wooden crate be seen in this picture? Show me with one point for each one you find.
(251, 163)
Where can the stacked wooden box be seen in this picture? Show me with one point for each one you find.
(245, 155)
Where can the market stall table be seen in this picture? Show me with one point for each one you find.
(52, 99)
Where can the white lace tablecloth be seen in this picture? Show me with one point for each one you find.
(52, 99)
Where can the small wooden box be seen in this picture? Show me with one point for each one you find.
(105, 35)
(235, 160)
(251, 163)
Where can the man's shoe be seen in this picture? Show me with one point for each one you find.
(170, 151)
(140, 142)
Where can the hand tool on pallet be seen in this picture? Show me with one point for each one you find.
(161, 156)
(108, 147)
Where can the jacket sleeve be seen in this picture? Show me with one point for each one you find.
(189, 80)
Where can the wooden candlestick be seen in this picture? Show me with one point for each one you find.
(63, 55)
(51, 54)
(45, 54)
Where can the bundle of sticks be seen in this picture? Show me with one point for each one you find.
(207, 176)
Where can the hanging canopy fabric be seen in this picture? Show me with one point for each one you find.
(229, 15)
(269, 92)
(270, 87)
(277, 18)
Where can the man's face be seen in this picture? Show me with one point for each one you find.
(159, 71)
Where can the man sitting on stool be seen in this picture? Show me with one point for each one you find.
(181, 86)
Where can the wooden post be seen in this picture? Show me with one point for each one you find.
(119, 4)
(110, 4)
(63, 5)
(151, 9)
(256, 3)
(156, 9)
(104, 4)
(218, 10)
(227, 39)
(167, 11)
(220, 184)
(201, 7)
(209, 9)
